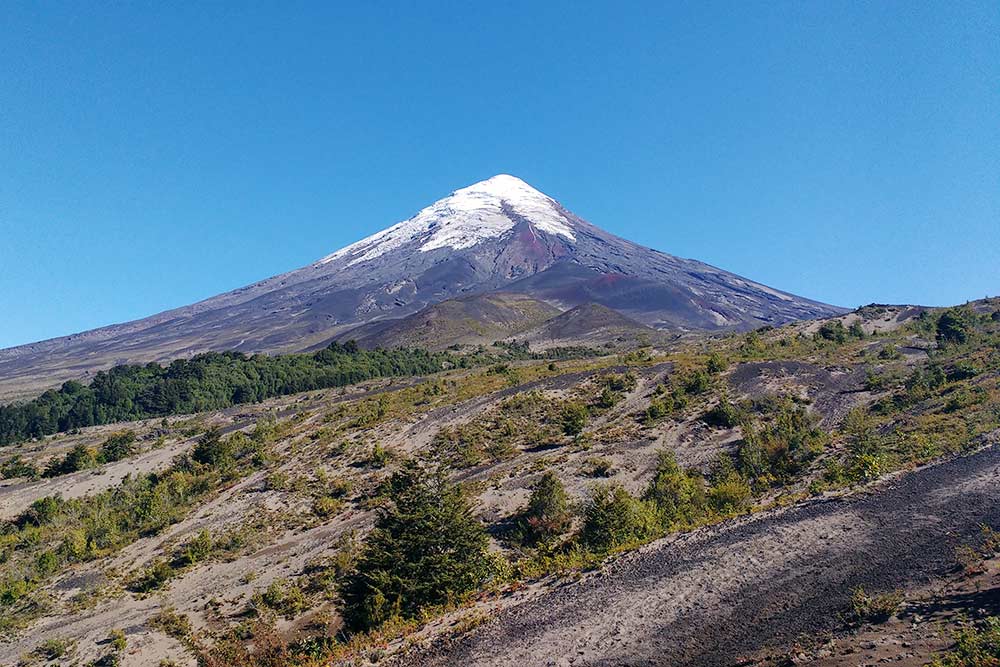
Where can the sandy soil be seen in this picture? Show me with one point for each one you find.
(708, 597)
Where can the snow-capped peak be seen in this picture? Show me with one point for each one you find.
(465, 218)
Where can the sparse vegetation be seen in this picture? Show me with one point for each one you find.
(976, 645)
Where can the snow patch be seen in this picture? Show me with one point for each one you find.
(464, 219)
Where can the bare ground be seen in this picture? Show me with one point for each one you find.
(718, 594)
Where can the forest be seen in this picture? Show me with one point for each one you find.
(209, 381)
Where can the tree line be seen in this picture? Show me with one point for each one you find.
(208, 381)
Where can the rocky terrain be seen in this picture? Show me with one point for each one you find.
(854, 451)
(497, 235)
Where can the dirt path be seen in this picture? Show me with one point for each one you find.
(712, 596)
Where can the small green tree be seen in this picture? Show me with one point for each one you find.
(212, 450)
(119, 446)
(716, 363)
(729, 493)
(954, 326)
(679, 495)
(427, 548)
(547, 514)
(80, 457)
(614, 518)
(574, 418)
(833, 330)
(865, 446)
(18, 467)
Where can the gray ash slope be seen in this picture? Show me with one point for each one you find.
(499, 234)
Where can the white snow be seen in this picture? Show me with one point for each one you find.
(463, 219)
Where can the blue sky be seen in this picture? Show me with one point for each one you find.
(154, 155)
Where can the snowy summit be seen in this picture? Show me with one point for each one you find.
(463, 219)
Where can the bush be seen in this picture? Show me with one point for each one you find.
(678, 495)
(284, 597)
(776, 451)
(574, 418)
(975, 646)
(658, 409)
(598, 466)
(18, 467)
(427, 548)
(547, 515)
(865, 446)
(326, 506)
(874, 608)
(954, 326)
(833, 330)
(152, 578)
(76, 459)
(614, 518)
(195, 550)
(716, 363)
(171, 623)
(119, 446)
(889, 352)
(729, 493)
(212, 450)
(694, 383)
(724, 414)
(41, 512)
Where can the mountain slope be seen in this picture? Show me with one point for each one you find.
(497, 234)
(471, 320)
(590, 324)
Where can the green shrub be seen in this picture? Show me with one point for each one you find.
(679, 496)
(284, 597)
(716, 363)
(574, 418)
(18, 467)
(80, 457)
(119, 446)
(724, 414)
(211, 449)
(54, 649)
(954, 326)
(547, 514)
(380, 456)
(41, 512)
(658, 409)
(427, 548)
(975, 646)
(729, 492)
(865, 446)
(171, 623)
(195, 550)
(326, 507)
(889, 352)
(598, 466)
(833, 330)
(153, 577)
(877, 608)
(613, 519)
(776, 451)
(695, 382)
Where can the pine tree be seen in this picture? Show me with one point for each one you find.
(547, 514)
(427, 548)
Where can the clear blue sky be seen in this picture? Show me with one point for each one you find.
(153, 154)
